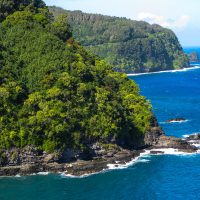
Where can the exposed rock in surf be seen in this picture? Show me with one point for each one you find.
(156, 152)
(31, 160)
(176, 143)
(176, 120)
(193, 137)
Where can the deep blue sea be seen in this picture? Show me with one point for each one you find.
(163, 177)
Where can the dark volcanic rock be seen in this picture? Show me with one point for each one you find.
(193, 137)
(152, 136)
(176, 143)
(156, 152)
(77, 168)
(31, 160)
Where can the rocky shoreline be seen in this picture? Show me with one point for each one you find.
(31, 160)
(77, 168)
(81, 167)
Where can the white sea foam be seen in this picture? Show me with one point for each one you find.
(111, 167)
(168, 71)
(143, 160)
(43, 173)
(196, 145)
(66, 175)
(140, 159)
(187, 135)
(171, 151)
(34, 174)
(147, 154)
(174, 121)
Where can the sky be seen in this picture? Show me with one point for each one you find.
(182, 16)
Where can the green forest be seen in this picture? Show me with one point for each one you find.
(56, 95)
(130, 46)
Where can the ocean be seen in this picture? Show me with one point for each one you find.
(166, 177)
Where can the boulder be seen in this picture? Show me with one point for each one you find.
(176, 143)
(176, 120)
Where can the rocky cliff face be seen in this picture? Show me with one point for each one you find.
(31, 160)
(156, 138)
(131, 46)
(152, 136)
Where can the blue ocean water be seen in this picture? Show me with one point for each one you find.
(170, 177)
(174, 94)
(192, 49)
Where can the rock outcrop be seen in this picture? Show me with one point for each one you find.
(50, 163)
(195, 137)
(176, 143)
(31, 160)
(152, 136)
(180, 119)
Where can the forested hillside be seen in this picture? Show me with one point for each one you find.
(54, 94)
(131, 46)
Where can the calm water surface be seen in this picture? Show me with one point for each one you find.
(173, 177)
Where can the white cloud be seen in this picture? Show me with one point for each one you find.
(177, 23)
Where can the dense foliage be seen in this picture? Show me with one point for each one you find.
(56, 95)
(133, 46)
(8, 7)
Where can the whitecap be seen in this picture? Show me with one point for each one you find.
(188, 135)
(167, 71)
(66, 175)
(142, 158)
(171, 151)
(185, 136)
(43, 173)
(33, 174)
(196, 145)
(174, 121)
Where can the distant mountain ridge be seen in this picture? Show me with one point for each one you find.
(131, 46)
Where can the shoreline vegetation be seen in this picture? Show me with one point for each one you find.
(62, 108)
(130, 46)
(104, 157)
(122, 159)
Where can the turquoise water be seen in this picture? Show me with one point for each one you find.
(170, 177)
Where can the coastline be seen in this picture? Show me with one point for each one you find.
(196, 66)
(110, 166)
(120, 160)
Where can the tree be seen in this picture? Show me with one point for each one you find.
(8, 7)
(61, 28)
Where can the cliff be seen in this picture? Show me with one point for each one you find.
(131, 46)
(56, 98)
(62, 108)
(30, 159)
